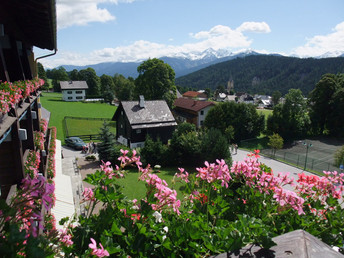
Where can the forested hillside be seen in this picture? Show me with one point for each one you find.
(264, 74)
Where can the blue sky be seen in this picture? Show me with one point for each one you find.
(94, 31)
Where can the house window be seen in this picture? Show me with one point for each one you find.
(202, 112)
(70, 97)
(78, 92)
(138, 131)
(69, 92)
(202, 123)
(79, 97)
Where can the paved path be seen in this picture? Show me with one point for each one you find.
(69, 168)
(275, 165)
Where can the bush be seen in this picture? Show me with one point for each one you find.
(154, 152)
(339, 157)
(215, 146)
(90, 158)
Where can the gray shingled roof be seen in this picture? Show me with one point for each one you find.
(156, 113)
(73, 85)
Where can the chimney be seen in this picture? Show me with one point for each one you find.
(142, 101)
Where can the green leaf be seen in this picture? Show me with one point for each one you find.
(115, 229)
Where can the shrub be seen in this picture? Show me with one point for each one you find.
(154, 152)
(90, 158)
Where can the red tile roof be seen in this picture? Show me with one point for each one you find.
(191, 94)
(191, 104)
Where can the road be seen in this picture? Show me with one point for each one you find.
(275, 165)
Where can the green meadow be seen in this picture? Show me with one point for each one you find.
(59, 109)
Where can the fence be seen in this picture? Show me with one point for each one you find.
(300, 160)
(86, 132)
(88, 137)
(315, 154)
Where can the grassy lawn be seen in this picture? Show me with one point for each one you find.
(85, 126)
(135, 189)
(265, 112)
(59, 109)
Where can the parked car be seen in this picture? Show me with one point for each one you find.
(75, 143)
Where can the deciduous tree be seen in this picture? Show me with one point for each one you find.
(326, 105)
(156, 80)
(244, 118)
(275, 142)
(93, 81)
(291, 119)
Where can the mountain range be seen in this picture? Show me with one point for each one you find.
(182, 64)
(251, 71)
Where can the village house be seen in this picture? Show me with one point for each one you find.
(73, 90)
(191, 111)
(195, 95)
(137, 119)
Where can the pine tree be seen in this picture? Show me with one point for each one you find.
(106, 146)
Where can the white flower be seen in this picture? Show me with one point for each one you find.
(165, 229)
(158, 217)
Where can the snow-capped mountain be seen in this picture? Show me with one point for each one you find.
(332, 54)
(182, 63)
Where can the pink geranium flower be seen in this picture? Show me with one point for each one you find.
(101, 252)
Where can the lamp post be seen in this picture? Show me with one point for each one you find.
(307, 147)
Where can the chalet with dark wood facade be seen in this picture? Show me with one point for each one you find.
(23, 24)
(191, 111)
(136, 119)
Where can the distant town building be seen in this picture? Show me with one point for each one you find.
(73, 90)
(195, 95)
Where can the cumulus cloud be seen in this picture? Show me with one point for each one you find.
(218, 37)
(82, 12)
(257, 27)
(323, 44)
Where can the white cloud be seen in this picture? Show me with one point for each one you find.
(322, 44)
(218, 37)
(82, 12)
(257, 27)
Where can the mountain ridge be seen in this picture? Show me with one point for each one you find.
(264, 73)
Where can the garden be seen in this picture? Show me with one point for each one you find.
(218, 209)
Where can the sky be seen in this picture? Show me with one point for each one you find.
(96, 31)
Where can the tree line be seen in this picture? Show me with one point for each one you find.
(156, 80)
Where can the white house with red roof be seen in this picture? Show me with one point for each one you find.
(191, 111)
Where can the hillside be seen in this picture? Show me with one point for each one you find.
(264, 73)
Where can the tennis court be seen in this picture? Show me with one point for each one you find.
(313, 154)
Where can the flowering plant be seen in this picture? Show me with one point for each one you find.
(31, 165)
(43, 126)
(38, 140)
(222, 209)
(12, 93)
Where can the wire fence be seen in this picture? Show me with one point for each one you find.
(315, 154)
(306, 163)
